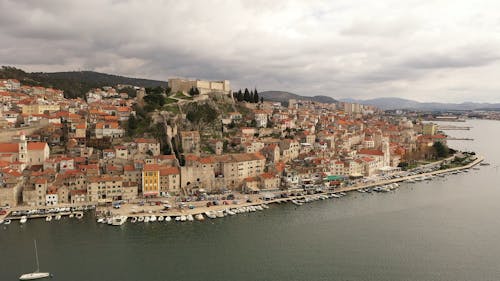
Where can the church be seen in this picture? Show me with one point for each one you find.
(24, 153)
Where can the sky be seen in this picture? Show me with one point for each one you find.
(444, 51)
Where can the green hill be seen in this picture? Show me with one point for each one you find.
(74, 83)
(283, 97)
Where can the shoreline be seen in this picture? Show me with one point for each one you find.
(130, 210)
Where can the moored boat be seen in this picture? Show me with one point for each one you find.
(36, 274)
(7, 221)
(168, 218)
(48, 218)
(23, 219)
(119, 220)
(190, 217)
(199, 217)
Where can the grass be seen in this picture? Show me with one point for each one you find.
(170, 101)
(182, 96)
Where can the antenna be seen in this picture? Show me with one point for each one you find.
(36, 254)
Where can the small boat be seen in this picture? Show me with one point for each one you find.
(296, 202)
(79, 216)
(152, 218)
(36, 274)
(168, 218)
(161, 218)
(71, 215)
(229, 212)
(265, 206)
(190, 218)
(146, 219)
(23, 219)
(177, 218)
(210, 214)
(7, 221)
(199, 217)
(48, 218)
(58, 217)
(133, 220)
(109, 220)
(183, 218)
(1, 221)
(219, 214)
(119, 220)
(140, 219)
(100, 220)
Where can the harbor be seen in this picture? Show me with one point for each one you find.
(118, 215)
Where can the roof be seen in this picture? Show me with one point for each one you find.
(9, 148)
(371, 152)
(169, 171)
(37, 145)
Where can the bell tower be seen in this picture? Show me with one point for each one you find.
(23, 148)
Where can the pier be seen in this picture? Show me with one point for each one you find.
(452, 127)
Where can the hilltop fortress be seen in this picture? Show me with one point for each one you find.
(204, 86)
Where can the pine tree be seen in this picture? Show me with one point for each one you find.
(255, 96)
(246, 96)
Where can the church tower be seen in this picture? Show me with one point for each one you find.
(386, 151)
(23, 148)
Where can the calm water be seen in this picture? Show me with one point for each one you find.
(447, 229)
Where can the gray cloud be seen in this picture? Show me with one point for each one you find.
(342, 48)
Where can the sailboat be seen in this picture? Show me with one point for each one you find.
(37, 274)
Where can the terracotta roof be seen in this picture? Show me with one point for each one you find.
(36, 145)
(9, 148)
(371, 152)
(169, 171)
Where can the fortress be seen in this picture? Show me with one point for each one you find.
(204, 86)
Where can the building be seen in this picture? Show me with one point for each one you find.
(151, 180)
(204, 86)
(429, 129)
(170, 180)
(190, 141)
(104, 188)
(29, 153)
(148, 146)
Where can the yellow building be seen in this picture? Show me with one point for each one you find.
(151, 180)
(429, 129)
(40, 108)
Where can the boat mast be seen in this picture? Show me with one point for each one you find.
(36, 255)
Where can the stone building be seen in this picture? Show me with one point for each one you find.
(204, 86)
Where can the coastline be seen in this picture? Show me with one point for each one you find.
(130, 210)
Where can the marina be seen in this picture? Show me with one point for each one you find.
(198, 214)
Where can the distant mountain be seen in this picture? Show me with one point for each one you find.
(399, 103)
(74, 83)
(282, 96)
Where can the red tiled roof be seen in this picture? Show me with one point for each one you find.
(9, 148)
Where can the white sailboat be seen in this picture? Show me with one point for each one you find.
(37, 274)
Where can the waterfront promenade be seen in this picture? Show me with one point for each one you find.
(243, 200)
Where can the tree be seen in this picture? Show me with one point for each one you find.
(246, 95)
(131, 125)
(261, 99)
(255, 96)
(441, 149)
(239, 95)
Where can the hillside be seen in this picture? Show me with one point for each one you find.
(74, 83)
(282, 96)
(399, 103)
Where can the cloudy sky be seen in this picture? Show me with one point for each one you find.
(424, 50)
